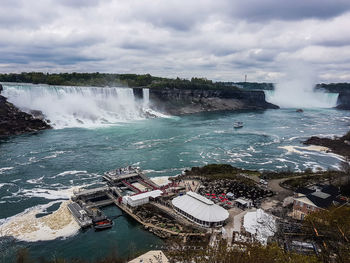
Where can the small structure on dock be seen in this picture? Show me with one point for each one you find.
(128, 180)
(80, 215)
(141, 199)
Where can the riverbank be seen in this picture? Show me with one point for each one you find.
(337, 145)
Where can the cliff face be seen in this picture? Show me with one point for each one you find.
(343, 102)
(15, 122)
(186, 101)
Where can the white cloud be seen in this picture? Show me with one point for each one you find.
(222, 40)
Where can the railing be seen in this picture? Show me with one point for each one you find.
(131, 186)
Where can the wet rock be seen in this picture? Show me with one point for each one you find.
(37, 114)
(14, 122)
(336, 145)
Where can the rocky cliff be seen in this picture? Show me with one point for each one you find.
(343, 102)
(185, 101)
(15, 122)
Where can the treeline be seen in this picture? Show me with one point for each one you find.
(251, 85)
(105, 79)
(194, 83)
(144, 80)
(80, 79)
(334, 87)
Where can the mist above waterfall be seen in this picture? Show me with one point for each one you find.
(296, 90)
(80, 106)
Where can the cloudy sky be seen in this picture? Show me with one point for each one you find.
(219, 39)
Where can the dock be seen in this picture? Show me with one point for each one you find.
(80, 215)
(118, 183)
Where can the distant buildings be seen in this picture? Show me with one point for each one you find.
(315, 198)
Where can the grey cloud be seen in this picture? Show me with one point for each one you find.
(334, 42)
(58, 57)
(81, 3)
(257, 10)
(219, 39)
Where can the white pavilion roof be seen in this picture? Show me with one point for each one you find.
(154, 194)
(200, 207)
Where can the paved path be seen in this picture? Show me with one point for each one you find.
(280, 192)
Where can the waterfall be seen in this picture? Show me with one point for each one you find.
(296, 89)
(145, 93)
(301, 98)
(79, 106)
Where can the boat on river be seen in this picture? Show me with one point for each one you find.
(238, 124)
(103, 224)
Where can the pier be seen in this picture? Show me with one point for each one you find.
(122, 189)
(118, 183)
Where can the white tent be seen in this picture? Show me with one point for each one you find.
(260, 224)
(200, 210)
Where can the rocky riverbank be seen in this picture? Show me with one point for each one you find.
(14, 122)
(186, 101)
(338, 145)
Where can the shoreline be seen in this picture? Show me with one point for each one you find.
(337, 145)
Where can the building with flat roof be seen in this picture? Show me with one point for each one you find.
(200, 210)
(140, 199)
(315, 198)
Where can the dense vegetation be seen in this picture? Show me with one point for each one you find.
(297, 179)
(194, 83)
(220, 254)
(251, 85)
(334, 87)
(221, 171)
(144, 80)
(331, 230)
(104, 79)
(80, 79)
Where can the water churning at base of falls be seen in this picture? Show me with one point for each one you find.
(67, 106)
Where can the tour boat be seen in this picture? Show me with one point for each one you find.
(104, 224)
(238, 124)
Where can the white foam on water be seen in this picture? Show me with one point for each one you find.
(303, 149)
(35, 181)
(26, 227)
(4, 169)
(71, 173)
(50, 194)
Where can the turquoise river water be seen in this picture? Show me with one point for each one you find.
(38, 171)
